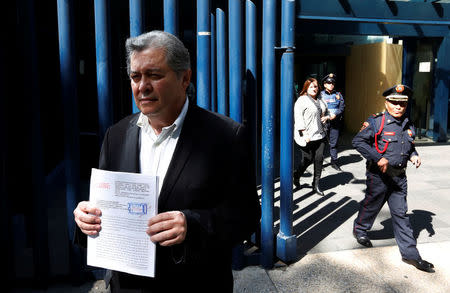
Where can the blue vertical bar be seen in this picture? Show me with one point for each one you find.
(69, 94)
(268, 121)
(67, 60)
(441, 92)
(136, 28)
(104, 84)
(250, 69)
(171, 16)
(213, 63)
(203, 54)
(136, 17)
(235, 58)
(222, 74)
(286, 241)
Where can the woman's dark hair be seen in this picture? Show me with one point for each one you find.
(306, 85)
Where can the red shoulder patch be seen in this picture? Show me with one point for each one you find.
(364, 126)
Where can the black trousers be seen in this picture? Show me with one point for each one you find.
(333, 136)
(382, 188)
(312, 152)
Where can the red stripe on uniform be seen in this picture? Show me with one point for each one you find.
(369, 188)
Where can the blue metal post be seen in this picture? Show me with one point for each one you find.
(137, 17)
(213, 63)
(235, 58)
(71, 131)
(441, 92)
(104, 69)
(136, 28)
(203, 54)
(286, 241)
(222, 74)
(268, 121)
(250, 69)
(171, 16)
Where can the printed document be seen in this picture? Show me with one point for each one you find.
(127, 202)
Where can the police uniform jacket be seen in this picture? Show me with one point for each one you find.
(335, 102)
(394, 140)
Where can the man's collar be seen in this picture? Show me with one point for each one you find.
(180, 119)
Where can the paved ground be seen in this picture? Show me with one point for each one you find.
(330, 260)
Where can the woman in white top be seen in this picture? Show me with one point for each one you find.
(310, 115)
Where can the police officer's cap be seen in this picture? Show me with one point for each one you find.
(330, 78)
(398, 92)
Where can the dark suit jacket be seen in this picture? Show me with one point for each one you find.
(211, 180)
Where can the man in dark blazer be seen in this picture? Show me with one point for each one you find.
(207, 201)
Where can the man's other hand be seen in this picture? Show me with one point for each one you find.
(87, 218)
(416, 161)
(383, 165)
(167, 228)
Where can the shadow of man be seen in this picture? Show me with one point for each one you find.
(419, 219)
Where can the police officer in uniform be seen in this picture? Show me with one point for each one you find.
(386, 140)
(336, 105)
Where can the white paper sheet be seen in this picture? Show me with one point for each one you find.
(127, 201)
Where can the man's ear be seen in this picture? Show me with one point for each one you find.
(186, 78)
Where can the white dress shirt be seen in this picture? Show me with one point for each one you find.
(157, 150)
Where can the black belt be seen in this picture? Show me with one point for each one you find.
(391, 170)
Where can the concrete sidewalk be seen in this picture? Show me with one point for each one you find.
(377, 269)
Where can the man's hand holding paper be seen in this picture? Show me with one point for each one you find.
(87, 218)
(167, 228)
(116, 219)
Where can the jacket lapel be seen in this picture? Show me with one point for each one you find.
(132, 147)
(180, 156)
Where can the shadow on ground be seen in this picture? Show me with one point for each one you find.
(420, 220)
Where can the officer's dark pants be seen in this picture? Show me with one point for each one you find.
(382, 188)
(312, 152)
(333, 136)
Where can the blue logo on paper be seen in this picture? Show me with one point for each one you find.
(136, 208)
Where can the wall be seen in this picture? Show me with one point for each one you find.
(370, 70)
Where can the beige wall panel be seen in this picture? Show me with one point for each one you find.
(370, 69)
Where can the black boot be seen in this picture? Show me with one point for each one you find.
(316, 187)
(335, 166)
(296, 180)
